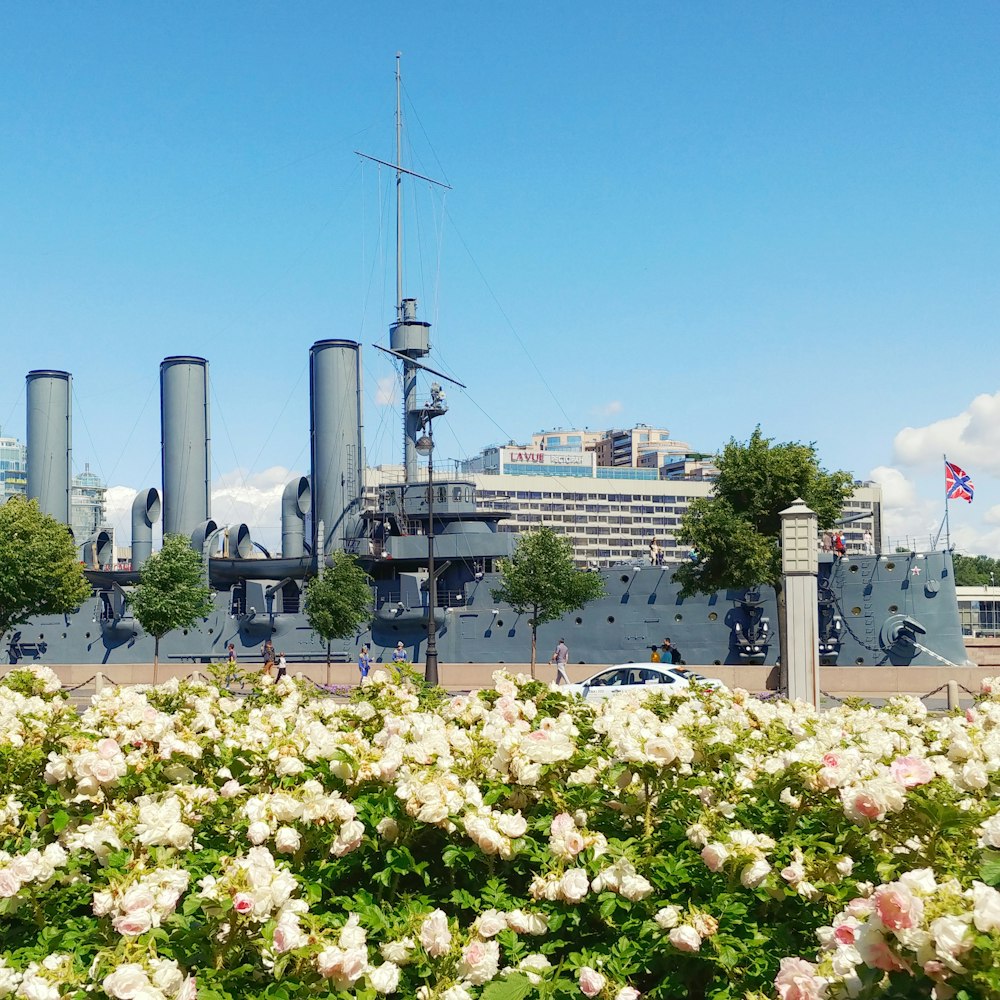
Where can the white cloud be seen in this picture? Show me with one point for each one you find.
(609, 409)
(970, 438)
(237, 498)
(387, 391)
(907, 517)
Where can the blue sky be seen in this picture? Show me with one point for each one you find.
(698, 216)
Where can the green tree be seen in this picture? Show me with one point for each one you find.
(736, 531)
(976, 571)
(40, 572)
(338, 602)
(542, 581)
(172, 592)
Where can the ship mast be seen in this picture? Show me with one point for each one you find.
(409, 338)
(399, 198)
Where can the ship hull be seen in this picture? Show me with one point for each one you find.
(874, 611)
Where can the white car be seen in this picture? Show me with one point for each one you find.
(636, 677)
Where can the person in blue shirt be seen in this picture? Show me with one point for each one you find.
(364, 661)
(399, 654)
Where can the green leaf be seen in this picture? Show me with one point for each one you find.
(60, 821)
(515, 987)
(989, 871)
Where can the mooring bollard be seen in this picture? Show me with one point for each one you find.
(99, 681)
(952, 694)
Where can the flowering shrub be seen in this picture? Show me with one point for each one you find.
(178, 841)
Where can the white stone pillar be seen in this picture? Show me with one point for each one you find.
(799, 566)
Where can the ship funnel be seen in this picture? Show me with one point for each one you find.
(50, 442)
(239, 544)
(184, 423)
(145, 513)
(295, 504)
(98, 551)
(337, 449)
(204, 534)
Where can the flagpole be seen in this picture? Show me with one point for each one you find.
(947, 523)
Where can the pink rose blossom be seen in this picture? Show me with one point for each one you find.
(897, 907)
(685, 938)
(844, 934)
(627, 993)
(911, 771)
(797, 980)
(714, 855)
(591, 981)
(830, 760)
(243, 902)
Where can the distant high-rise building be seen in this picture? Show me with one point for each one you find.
(13, 467)
(89, 504)
(88, 496)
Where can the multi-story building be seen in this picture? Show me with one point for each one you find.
(13, 467)
(89, 504)
(88, 493)
(610, 514)
(615, 446)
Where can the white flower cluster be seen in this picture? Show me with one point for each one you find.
(34, 867)
(256, 886)
(10, 811)
(157, 979)
(139, 905)
(743, 851)
(270, 815)
(45, 980)
(915, 924)
(347, 961)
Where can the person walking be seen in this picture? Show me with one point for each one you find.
(669, 653)
(267, 652)
(560, 658)
(282, 666)
(364, 661)
(232, 670)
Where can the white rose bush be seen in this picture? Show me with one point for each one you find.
(175, 842)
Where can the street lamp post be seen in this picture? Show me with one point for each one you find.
(425, 446)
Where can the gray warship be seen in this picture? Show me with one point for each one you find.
(896, 609)
(899, 609)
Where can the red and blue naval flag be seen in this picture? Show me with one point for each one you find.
(957, 484)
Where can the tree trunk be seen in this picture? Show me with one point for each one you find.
(327, 662)
(779, 593)
(156, 658)
(534, 636)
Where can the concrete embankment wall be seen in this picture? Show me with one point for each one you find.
(875, 682)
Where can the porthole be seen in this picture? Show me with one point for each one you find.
(678, 618)
(135, 635)
(64, 635)
(855, 611)
(713, 616)
(611, 619)
(211, 630)
(853, 567)
(860, 661)
(716, 663)
(624, 578)
(87, 636)
(499, 624)
(185, 632)
(579, 621)
(893, 608)
(41, 635)
(890, 566)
